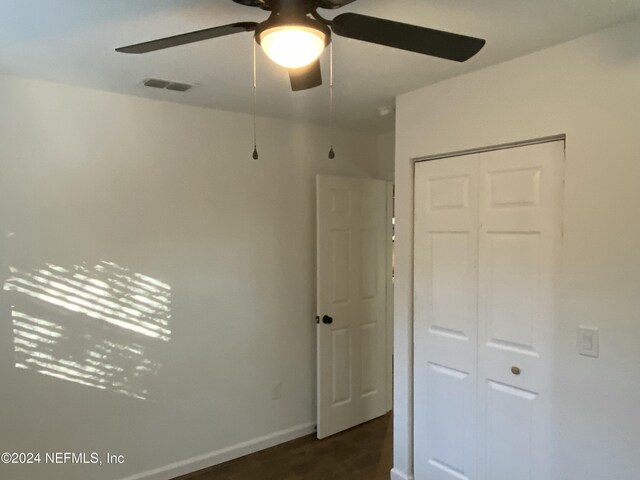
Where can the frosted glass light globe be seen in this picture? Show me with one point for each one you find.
(292, 46)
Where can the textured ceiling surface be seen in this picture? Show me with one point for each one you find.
(72, 42)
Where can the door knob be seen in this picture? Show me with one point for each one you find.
(515, 370)
(327, 320)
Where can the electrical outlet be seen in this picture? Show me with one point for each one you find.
(588, 342)
(277, 391)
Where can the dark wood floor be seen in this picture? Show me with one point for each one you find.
(362, 453)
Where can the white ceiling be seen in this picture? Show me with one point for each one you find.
(72, 41)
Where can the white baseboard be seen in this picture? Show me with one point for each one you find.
(398, 475)
(206, 460)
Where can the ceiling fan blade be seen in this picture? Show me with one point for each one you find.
(191, 37)
(331, 4)
(306, 77)
(427, 41)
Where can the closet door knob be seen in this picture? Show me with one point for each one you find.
(515, 370)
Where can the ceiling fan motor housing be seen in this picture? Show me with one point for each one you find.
(309, 5)
(277, 20)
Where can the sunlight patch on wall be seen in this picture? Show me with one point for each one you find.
(89, 325)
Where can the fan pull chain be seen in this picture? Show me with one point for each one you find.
(255, 96)
(332, 153)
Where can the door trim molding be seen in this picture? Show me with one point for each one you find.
(398, 475)
(389, 294)
(493, 148)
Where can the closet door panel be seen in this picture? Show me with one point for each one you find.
(445, 306)
(519, 242)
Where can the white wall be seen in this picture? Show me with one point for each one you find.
(386, 155)
(589, 90)
(171, 192)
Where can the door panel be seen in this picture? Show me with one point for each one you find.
(445, 313)
(369, 272)
(449, 268)
(369, 365)
(352, 350)
(340, 248)
(520, 238)
(341, 363)
(509, 434)
(448, 394)
(513, 281)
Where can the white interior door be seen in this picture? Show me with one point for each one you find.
(445, 316)
(487, 237)
(520, 239)
(352, 351)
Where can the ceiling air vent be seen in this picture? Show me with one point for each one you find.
(179, 87)
(155, 83)
(166, 85)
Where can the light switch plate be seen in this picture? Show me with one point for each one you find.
(588, 342)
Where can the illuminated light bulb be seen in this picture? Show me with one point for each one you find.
(293, 46)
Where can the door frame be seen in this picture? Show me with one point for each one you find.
(389, 298)
(413, 161)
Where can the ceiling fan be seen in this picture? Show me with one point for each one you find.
(295, 35)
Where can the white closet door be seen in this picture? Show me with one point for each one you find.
(520, 239)
(445, 309)
(487, 237)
